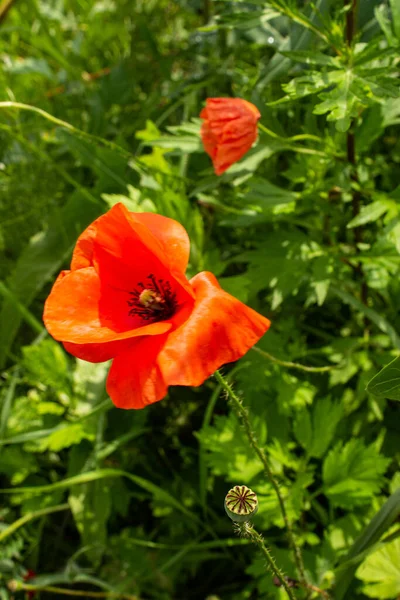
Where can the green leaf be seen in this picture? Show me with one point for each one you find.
(312, 83)
(380, 572)
(395, 8)
(266, 195)
(183, 144)
(17, 465)
(315, 432)
(371, 534)
(68, 435)
(229, 453)
(371, 213)
(89, 476)
(47, 363)
(310, 57)
(91, 506)
(352, 473)
(382, 15)
(341, 102)
(387, 382)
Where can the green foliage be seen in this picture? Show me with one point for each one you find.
(387, 382)
(352, 473)
(380, 572)
(99, 104)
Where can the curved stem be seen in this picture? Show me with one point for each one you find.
(243, 416)
(15, 586)
(293, 138)
(30, 517)
(255, 537)
(293, 365)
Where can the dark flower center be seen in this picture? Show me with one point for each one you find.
(153, 301)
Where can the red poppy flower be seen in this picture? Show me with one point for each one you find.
(228, 131)
(126, 297)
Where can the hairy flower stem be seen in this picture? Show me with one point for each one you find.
(15, 586)
(351, 16)
(243, 416)
(247, 530)
(293, 365)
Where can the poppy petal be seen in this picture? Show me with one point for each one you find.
(72, 312)
(228, 131)
(172, 235)
(96, 353)
(82, 255)
(126, 253)
(219, 330)
(135, 379)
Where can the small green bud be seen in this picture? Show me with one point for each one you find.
(241, 503)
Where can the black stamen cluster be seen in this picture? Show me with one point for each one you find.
(148, 313)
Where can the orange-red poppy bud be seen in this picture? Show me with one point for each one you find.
(126, 298)
(228, 131)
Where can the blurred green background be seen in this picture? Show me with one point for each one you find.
(100, 103)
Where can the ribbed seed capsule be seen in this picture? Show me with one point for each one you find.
(241, 503)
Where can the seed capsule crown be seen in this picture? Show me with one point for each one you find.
(241, 503)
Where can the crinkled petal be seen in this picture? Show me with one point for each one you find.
(228, 131)
(126, 252)
(172, 236)
(73, 312)
(96, 353)
(232, 150)
(135, 379)
(82, 255)
(219, 330)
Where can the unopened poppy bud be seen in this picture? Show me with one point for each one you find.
(241, 503)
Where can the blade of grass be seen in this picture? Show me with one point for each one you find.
(105, 474)
(31, 516)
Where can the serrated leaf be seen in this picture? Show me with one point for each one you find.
(47, 363)
(387, 382)
(67, 436)
(380, 572)
(315, 432)
(312, 83)
(370, 213)
(229, 453)
(352, 473)
(371, 534)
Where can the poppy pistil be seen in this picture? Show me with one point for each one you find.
(154, 301)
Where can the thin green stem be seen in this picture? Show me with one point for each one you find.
(257, 539)
(243, 416)
(65, 125)
(293, 365)
(293, 138)
(30, 517)
(298, 18)
(16, 586)
(25, 313)
(4, 8)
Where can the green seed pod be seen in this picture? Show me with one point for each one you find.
(241, 503)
